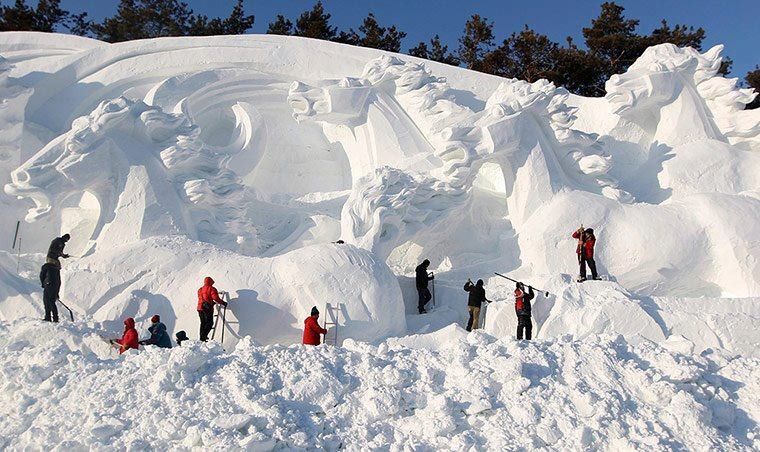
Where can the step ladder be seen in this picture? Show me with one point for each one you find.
(332, 315)
(220, 312)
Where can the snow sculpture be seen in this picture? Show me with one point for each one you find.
(149, 173)
(678, 95)
(387, 208)
(13, 98)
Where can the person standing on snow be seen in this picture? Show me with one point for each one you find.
(50, 278)
(311, 328)
(207, 296)
(55, 251)
(474, 302)
(129, 338)
(158, 335)
(522, 309)
(421, 278)
(585, 252)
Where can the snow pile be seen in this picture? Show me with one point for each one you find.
(269, 297)
(62, 388)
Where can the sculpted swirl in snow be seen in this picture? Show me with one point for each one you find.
(271, 148)
(126, 146)
(388, 208)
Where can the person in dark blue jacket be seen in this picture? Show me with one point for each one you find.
(158, 335)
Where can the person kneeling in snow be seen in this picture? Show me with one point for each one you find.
(129, 338)
(311, 328)
(181, 337)
(207, 296)
(522, 309)
(158, 335)
(474, 302)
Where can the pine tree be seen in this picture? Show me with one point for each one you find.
(20, 17)
(374, 36)
(236, 24)
(281, 26)
(436, 52)
(752, 79)
(528, 56)
(681, 35)
(476, 42)
(315, 23)
(613, 39)
(80, 25)
(140, 19)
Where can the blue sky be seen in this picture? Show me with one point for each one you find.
(733, 23)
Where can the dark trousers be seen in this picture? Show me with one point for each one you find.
(207, 320)
(49, 298)
(425, 296)
(591, 265)
(524, 323)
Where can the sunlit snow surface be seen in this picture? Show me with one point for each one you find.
(244, 158)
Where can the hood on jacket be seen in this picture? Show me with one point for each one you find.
(129, 323)
(207, 281)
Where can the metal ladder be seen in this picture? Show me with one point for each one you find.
(332, 315)
(225, 296)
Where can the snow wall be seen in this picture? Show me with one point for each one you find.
(243, 158)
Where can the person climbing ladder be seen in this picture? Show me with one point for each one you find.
(207, 296)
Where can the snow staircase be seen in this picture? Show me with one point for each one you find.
(332, 314)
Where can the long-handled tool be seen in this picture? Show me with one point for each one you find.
(432, 284)
(546, 292)
(67, 308)
(224, 322)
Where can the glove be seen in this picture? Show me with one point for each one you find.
(65, 256)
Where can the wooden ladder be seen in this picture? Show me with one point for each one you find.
(332, 315)
(220, 311)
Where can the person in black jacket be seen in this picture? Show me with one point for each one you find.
(50, 278)
(158, 335)
(421, 279)
(474, 302)
(55, 251)
(522, 309)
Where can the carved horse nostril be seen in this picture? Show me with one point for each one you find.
(21, 177)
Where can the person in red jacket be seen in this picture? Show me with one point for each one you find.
(585, 252)
(129, 338)
(207, 296)
(311, 328)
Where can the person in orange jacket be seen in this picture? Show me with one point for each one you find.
(585, 252)
(311, 328)
(207, 296)
(129, 338)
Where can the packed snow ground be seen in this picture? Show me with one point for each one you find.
(62, 386)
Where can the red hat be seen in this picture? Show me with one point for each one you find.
(155, 319)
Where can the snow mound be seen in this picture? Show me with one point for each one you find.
(269, 297)
(466, 392)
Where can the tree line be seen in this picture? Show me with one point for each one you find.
(612, 41)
